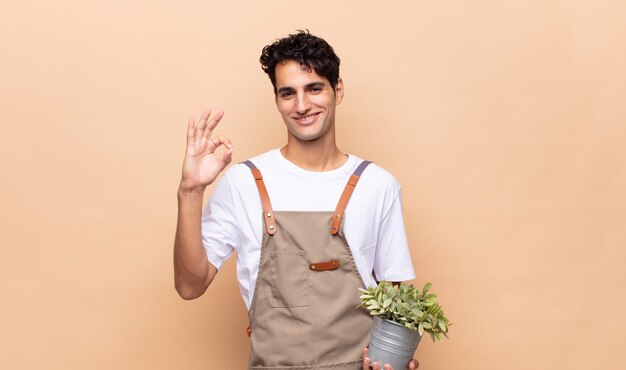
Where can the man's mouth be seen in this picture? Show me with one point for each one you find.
(306, 119)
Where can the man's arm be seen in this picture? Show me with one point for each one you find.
(192, 270)
(193, 273)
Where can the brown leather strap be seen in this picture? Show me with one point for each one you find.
(345, 197)
(324, 266)
(268, 213)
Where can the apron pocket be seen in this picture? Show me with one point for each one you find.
(290, 283)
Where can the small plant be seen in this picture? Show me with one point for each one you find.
(406, 305)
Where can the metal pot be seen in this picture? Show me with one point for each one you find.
(392, 343)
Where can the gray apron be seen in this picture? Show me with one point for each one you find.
(303, 314)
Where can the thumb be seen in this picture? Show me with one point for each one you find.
(228, 156)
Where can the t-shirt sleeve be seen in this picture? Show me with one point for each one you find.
(393, 259)
(219, 224)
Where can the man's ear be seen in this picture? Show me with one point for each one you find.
(339, 90)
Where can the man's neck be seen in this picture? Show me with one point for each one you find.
(314, 155)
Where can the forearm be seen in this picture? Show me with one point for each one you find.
(191, 267)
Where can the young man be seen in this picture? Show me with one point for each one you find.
(310, 223)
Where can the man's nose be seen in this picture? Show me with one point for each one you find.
(302, 103)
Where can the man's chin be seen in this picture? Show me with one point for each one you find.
(304, 137)
(302, 133)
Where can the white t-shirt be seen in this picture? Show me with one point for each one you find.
(373, 224)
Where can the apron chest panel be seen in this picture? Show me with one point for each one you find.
(301, 316)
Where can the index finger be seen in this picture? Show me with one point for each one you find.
(366, 360)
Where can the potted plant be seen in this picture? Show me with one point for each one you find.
(402, 314)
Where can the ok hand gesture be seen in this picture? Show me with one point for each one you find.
(201, 165)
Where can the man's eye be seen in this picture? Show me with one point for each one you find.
(315, 89)
(286, 94)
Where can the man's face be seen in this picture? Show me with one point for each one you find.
(306, 101)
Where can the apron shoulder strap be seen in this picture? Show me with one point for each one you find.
(268, 213)
(345, 197)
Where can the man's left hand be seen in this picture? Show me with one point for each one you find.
(414, 364)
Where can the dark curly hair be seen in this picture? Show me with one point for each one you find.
(309, 50)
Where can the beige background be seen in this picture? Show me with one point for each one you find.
(503, 120)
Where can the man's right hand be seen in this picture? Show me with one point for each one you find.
(201, 165)
(193, 273)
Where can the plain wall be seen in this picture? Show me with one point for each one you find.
(504, 121)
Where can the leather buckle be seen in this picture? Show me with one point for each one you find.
(324, 266)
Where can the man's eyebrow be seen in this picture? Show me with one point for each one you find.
(315, 84)
(285, 89)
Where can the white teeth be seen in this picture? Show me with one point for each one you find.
(306, 119)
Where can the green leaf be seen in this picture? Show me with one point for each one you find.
(372, 303)
(438, 336)
(393, 292)
(420, 329)
(442, 326)
(387, 302)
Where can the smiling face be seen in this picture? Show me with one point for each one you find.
(306, 101)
